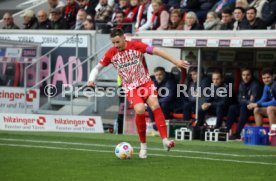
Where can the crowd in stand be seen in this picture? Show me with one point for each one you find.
(183, 15)
(251, 102)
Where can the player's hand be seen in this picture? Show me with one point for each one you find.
(182, 64)
(91, 83)
(252, 106)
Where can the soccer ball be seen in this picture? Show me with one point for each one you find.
(124, 151)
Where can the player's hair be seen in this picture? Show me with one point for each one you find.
(247, 69)
(116, 32)
(159, 69)
(267, 71)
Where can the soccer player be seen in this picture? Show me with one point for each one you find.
(128, 58)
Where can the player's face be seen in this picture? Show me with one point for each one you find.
(246, 76)
(119, 42)
(216, 79)
(159, 76)
(267, 79)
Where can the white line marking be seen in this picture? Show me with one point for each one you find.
(157, 155)
(113, 146)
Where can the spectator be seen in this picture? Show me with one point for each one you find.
(132, 14)
(52, 4)
(212, 21)
(176, 22)
(70, 14)
(252, 22)
(43, 21)
(103, 15)
(226, 19)
(88, 25)
(249, 92)
(8, 22)
(58, 22)
(29, 20)
(122, 6)
(191, 22)
(266, 105)
(242, 3)
(160, 16)
(81, 17)
(83, 4)
(220, 5)
(261, 6)
(90, 8)
(216, 104)
(120, 23)
(144, 16)
(109, 3)
(239, 16)
(189, 104)
(202, 10)
(270, 17)
(166, 87)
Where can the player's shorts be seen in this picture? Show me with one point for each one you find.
(141, 93)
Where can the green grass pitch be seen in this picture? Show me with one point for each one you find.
(80, 157)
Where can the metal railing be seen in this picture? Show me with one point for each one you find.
(48, 78)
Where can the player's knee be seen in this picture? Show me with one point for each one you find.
(271, 110)
(140, 110)
(256, 110)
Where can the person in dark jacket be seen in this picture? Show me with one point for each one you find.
(29, 20)
(249, 92)
(190, 102)
(252, 22)
(265, 107)
(217, 101)
(166, 88)
(239, 16)
(227, 20)
(58, 22)
(8, 22)
(70, 13)
(43, 21)
(191, 22)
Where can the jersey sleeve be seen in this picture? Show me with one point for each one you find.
(144, 48)
(106, 60)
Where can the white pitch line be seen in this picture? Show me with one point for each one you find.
(112, 146)
(157, 155)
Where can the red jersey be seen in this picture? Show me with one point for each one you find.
(130, 64)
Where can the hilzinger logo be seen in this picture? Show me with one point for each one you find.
(91, 122)
(31, 95)
(41, 120)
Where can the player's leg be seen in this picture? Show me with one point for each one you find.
(271, 112)
(258, 115)
(139, 109)
(159, 117)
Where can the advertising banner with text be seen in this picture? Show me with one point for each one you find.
(51, 123)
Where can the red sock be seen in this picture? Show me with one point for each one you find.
(141, 127)
(160, 122)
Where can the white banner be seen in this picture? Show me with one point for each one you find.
(14, 100)
(49, 40)
(55, 123)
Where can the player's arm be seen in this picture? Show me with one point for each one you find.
(165, 55)
(93, 75)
